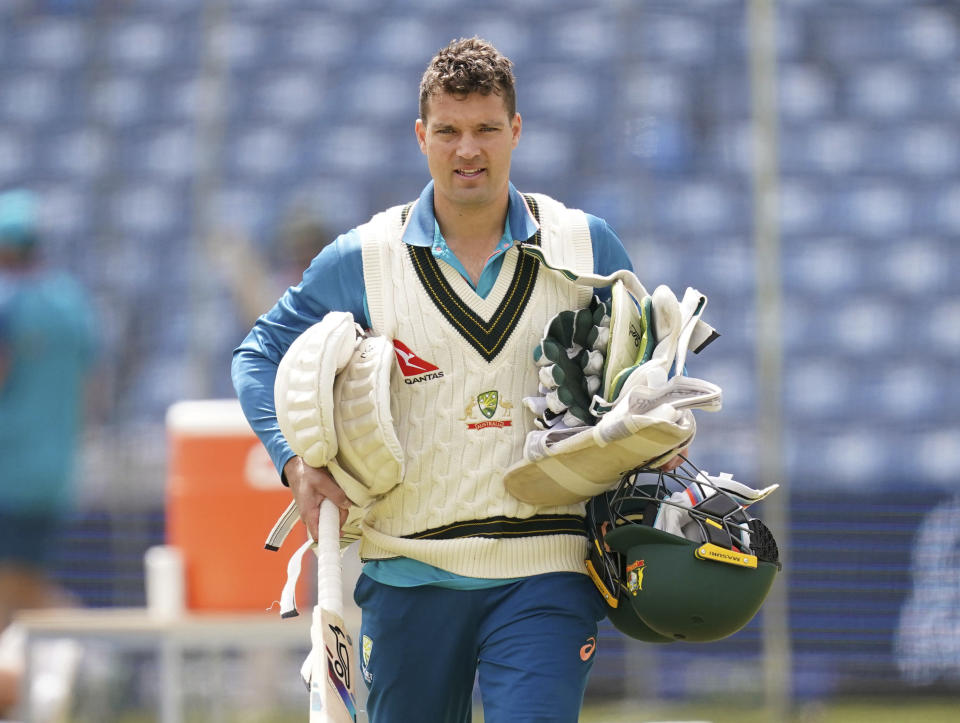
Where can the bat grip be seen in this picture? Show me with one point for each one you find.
(329, 566)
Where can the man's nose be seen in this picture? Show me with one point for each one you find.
(468, 147)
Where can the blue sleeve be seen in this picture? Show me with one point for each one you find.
(609, 255)
(333, 282)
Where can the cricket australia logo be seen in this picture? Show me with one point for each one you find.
(489, 405)
(413, 368)
(635, 576)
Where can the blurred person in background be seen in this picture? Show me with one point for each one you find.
(47, 348)
(254, 278)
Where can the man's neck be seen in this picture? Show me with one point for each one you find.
(472, 234)
(475, 228)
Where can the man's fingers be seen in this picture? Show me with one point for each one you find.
(311, 519)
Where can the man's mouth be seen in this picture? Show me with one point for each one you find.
(470, 172)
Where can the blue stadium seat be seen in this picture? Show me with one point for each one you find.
(30, 97)
(704, 206)
(584, 36)
(681, 39)
(355, 150)
(561, 91)
(383, 95)
(546, 152)
(910, 389)
(936, 455)
(512, 38)
(318, 39)
(261, 151)
(239, 207)
(404, 40)
(928, 149)
(67, 217)
(656, 89)
(16, 155)
(822, 267)
(818, 386)
(169, 153)
(285, 96)
(830, 147)
(241, 45)
(844, 458)
(864, 327)
(120, 100)
(806, 91)
(75, 153)
(146, 210)
(928, 34)
(139, 45)
(50, 43)
(885, 91)
(946, 209)
(850, 35)
(940, 328)
(916, 268)
(262, 8)
(883, 209)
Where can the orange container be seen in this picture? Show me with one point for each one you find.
(223, 497)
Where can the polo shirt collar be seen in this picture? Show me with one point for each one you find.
(422, 222)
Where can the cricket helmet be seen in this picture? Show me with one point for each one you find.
(702, 585)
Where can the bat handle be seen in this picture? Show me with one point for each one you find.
(329, 565)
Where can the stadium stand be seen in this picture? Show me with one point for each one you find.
(637, 112)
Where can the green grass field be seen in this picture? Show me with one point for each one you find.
(846, 711)
(837, 711)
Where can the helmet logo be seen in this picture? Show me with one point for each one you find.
(635, 576)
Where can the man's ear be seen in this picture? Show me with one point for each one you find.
(515, 126)
(420, 129)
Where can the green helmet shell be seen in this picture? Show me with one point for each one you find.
(672, 595)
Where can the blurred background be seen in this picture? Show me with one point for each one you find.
(184, 150)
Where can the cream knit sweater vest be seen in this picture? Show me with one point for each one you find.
(465, 364)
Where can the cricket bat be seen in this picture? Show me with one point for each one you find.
(332, 698)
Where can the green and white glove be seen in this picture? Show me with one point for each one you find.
(570, 357)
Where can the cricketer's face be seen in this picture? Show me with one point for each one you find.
(468, 143)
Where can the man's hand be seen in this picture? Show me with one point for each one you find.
(310, 487)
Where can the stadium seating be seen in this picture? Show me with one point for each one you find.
(637, 112)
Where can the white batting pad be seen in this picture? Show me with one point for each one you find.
(572, 465)
(369, 449)
(303, 390)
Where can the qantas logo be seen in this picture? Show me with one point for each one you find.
(413, 368)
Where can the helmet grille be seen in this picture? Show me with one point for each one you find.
(762, 542)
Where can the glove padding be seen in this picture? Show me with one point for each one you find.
(642, 416)
(570, 357)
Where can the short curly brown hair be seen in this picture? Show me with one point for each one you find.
(469, 65)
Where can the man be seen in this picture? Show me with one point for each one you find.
(47, 343)
(459, 578)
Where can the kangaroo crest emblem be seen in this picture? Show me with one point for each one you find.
(488, 403)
